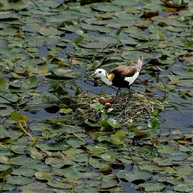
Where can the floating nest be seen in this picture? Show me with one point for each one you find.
(140, 106)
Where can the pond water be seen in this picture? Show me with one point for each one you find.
(172, 119)
(48, 51)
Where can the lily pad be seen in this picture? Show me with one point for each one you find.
(43, 176)
(175, 4)
(6, 173)
(150, 187)
(114, 123)
(134, 175)
(3, 84)
(105, 7)
(19, 180)
(109, 182)
(48, 51)
(154, 123)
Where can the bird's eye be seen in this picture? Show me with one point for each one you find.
(100, 71)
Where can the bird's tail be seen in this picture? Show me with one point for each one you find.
(139, 63)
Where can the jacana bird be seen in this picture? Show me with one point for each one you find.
(121, 76)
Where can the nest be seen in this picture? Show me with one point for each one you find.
(139, 106)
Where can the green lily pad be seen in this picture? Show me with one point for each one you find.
(96, 150)
(48, 52)
(23, 171)
(58, 162)
(17, 117)
(154, 123)
(105, 7)
(184, 170)
(49, 30)
(134, 175)
(166, 149)
(19, 180)
(151, 187)
(8, 187)
(70, 172)
(182, 188)
(178, 156)
(6, 173)
(4, 85)
(97, 106)
(175, 4)
(114, 123)
(43, 176)
(75, 142)
(109, 182)
(186, 83)
(118, 137)
(35, 187)
(22, 160)
(164, 87)
(36, 154)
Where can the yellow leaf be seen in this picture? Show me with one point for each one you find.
(43, 72)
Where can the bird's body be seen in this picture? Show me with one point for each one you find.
(121, 76)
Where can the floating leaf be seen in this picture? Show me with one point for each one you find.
(105, 7)
(154, 123)
(24, 171)
(163, 161)
(77, 40)
(36, 154)
(96, 150)
(162, 86)
(141, 134)
(175, 4)
(75, 142)
(109, 157)
(152, 187)
(182, 188)
(189, 44)
(49, 30)
(97, 106)
(134, 175)
(43, 176)
(19, 180)
(33, 80)
(166, 149)
(65, 110)
(109, 181)
(81, 147)
(6, 173)
(118, 137)
(178, 156)
(18, 117)
(3, 85)
(70, 172)
(114, 123)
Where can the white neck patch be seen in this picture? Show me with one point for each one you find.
(106, 80)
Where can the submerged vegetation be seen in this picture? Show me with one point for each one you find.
(62, 131)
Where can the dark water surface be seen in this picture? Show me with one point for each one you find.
(171, 119)
(180, 118)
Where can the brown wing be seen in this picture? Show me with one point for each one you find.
(124, 71)
(120, 73)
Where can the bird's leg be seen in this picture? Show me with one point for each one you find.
(129, 88)
(117, 94)
(118, 91)
(127, 102)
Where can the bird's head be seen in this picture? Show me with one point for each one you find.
(100, 73)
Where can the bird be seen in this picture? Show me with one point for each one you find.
(121, 76)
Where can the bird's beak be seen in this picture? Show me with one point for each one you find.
(93, 75)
